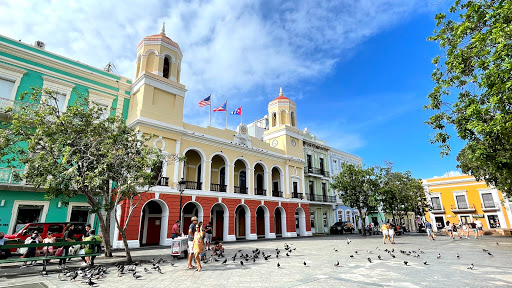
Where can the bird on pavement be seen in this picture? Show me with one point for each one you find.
(485, 250)
(287, 255)
(405, 262)
(136, 276)
(90, 283)
(439, 256)
(335, 250)
(426, 263)
(497, 243)
(369, 259)
(146, 269)
(278, 265)
(337, 263)
(458, 256)
(305, 263)
(369, 251)
(159, 270)
(355, 252)
(348, 241)
(489, 253)
(225, 260)
(242, 263)
(380, 258)
(393, 255)
(351, 256)
(471, 266)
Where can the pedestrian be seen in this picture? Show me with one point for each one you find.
(430, 234)
(455, 231)
(479, 227)
(190, 241)
(385, 232)
(449, 230)
(218, 249)
(199, 246)
(465, 229)
(4, 253)
(208, 235)
(176, 229)
(474, 229)
(88, 228)
(92, 248)
(68, 230)
(391, 233)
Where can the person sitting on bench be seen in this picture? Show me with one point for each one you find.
(4, 253)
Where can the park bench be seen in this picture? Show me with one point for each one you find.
(19, 244)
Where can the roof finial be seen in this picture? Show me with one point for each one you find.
(280, 91)
(162, 32)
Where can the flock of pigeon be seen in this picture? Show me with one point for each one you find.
(137, 270)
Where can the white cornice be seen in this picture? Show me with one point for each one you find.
(281, 132)
(211, 140)
(13, 69)
(159, 42)
(336, 152)
(58, 82)
(451, 181)
(153, 80)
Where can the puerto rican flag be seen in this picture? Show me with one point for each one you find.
(221, 108)
(238, 111)
(204, 102)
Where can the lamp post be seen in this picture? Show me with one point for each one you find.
(181, 187)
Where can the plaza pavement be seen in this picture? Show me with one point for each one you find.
(320, 256)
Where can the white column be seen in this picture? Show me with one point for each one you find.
(303, 184)
(268, 177)
(250, 180)
(207, 170)
(230, 170)
(177, 162)
(286, 190)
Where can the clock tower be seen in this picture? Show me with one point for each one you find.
(282, 130)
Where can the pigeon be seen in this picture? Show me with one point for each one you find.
(369, 259)
(287, 255)
(74, 276)
(225, 260)
(439, 256)
(458, 256)
(351, 256)
(392, 255)
(355, 252)
(405, 262)
(146, 269)
(253, 260)
(348, 241)
(335, 250)
(242, 263)
(90, 283)
(417, 256)
(136, 276)
(485, 250)
(305, 263)
(239, 251)
(278, 265)
(337, 263)
(159, 270)
(393, 250)
(497, 243)
(380, 258)
(471, 266)
(369, 251)
(426, 263)
(489, 253)
(119, 274)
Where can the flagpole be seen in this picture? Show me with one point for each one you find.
(241, 121)
(226, 114)
(210, 109)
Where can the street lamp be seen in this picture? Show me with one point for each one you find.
(181, 187)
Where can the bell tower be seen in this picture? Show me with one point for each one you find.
(282, 127)
(156, 91)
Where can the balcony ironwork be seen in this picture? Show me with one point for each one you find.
(437, 209)
(7, 176)
(241, 190)
(490, 206)
(259, 191)
(276, 193)
(463, 207)
(297, 195)
(322, 198)
(311, 197)
(163, 181)
(193, 185)
(316, 171)
(218, 187)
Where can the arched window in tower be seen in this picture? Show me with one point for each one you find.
(274, 119)
(167, 67)
(292, 118)
(283, 118)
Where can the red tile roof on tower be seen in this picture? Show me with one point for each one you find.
(281, 96)
(161, 37)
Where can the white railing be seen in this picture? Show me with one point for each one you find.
(7, 176)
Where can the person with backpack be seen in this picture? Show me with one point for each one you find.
(92, 248)
(454, 231)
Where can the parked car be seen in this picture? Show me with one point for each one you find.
(57, 228)
(342, 226)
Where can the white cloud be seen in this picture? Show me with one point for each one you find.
(450, 174)
(242, 49)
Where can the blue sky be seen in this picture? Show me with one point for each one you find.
(359, 71)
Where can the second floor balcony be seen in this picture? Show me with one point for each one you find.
(259, 191)
(437, 209)
(316, 171)
(462, 208)
(218, 187)
(322, 198)
(297, 195)
(192, 185)
(240, 189)
(276, 193)
(490, 206)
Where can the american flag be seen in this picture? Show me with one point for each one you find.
(204, 102)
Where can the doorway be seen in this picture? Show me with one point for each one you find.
(260, 222)
(277, 222)
(151, 225)
(493, 221)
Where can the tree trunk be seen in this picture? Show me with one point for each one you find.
(126, 248)
(363, 216)
(105, 231)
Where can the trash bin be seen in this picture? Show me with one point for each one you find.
(179, 246)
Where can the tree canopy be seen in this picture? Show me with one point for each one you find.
(78, 151)
(473, 88)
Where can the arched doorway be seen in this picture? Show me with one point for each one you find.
(193, 170)
(279, 222)
(220, 221)
(218, 179)
(260, 222)
(190, 209)
(242, 222)
(154, 223)
(260, 182)
(300, 222)
(277, 182)
(241, 181)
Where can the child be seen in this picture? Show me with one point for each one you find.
(218, 249)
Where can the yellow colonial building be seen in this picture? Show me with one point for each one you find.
(462, 199)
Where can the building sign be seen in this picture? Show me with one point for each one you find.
(478, 215)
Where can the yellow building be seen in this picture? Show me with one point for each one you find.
(462, 199)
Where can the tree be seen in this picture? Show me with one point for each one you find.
(475, 65)
(401, 193)
(357, 186)
(79, 152)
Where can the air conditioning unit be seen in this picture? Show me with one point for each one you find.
(40, 44)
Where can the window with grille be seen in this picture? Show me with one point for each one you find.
(461, 202)
(436, 203)
(488, 201)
